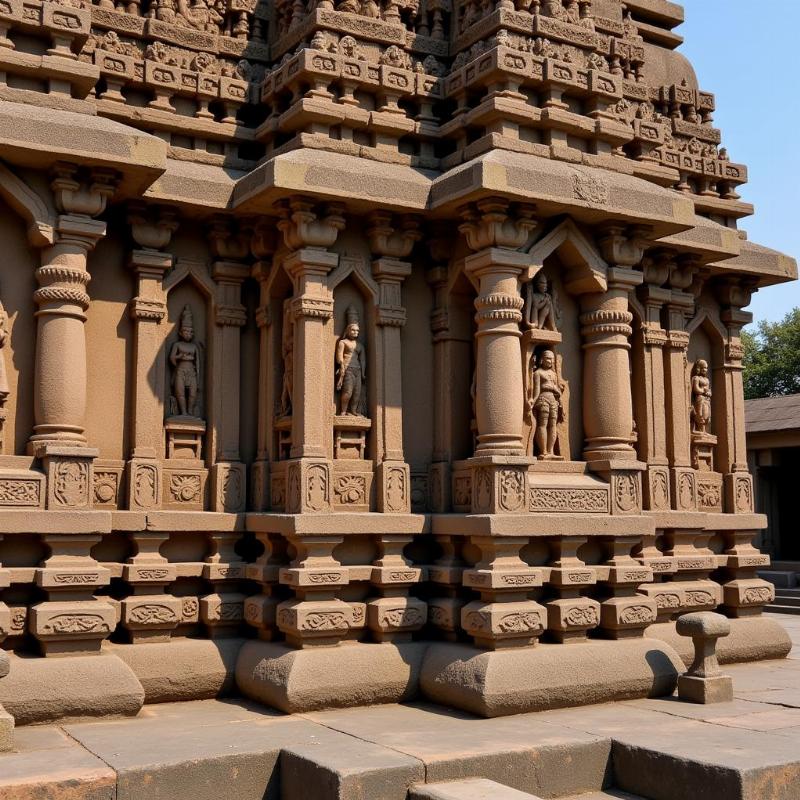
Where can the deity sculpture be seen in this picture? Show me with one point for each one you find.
(287, 351)
(541, 307)
(701, 397)
(351, 366)
(185, 359)
(545, 407)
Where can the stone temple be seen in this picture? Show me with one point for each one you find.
(366, 351)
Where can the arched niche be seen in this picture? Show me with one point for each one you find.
(190, 285)
(707, 337)
(573, 266)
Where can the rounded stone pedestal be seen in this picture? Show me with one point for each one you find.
(182, 669)
(51, 689)
(351, 674)
(751, 639)
(518, 680)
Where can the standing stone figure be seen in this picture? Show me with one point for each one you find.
(351, 366)
(701, 397)
(185, 359)
(287, 351)
(540, 305)
(546, 410)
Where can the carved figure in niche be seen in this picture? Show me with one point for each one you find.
(546, 408)
(185, 359)
(287, 351)
(199, 15)
(701, 397)
(4, 391)
(541, 305)
(351, 366)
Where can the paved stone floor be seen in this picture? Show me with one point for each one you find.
(655, 749)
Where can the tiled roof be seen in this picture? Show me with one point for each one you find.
(773, 414)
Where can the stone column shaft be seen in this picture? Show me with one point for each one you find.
(499, 396)
(607, 401)
(60, 379)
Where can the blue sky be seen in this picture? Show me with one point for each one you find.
(748, 54)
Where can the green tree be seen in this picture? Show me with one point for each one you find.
(772, 357)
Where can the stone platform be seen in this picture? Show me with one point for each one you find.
(648, 749)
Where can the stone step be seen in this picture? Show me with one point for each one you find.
(787, 599)
(467, 789)
(782, 609)
(783, 579)
(608, 794)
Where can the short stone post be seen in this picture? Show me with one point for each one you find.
(6, 720)
(704, 682)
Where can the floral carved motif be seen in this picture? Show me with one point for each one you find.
(588, 501)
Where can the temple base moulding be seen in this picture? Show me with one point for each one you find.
(519, 680)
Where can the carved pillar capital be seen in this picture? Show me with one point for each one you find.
(621, 245)
(305, 224)
(152, 226)
(494, 223)
(391, 236)
(82, 192)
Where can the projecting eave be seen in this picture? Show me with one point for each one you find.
(359, 182)
(708, 240)
(32, 136)
(199, 187)
(587, 194)
(769, 266)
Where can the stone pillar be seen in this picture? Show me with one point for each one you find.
(152, 231)
(445, 575)
(59, 393)
(149, 614)
(262, 247)
(439, 478)
(744, 594)
(222, 611)
(728, 382)
(606, 330)
(71, 621)
(309, 235)
(499, 465)
(679, 307)
(394, 616)
(652, 429)
(260, 609)
(570, 615)
(624, 613)
(228, 479)
(316, 615)
(391, 241)
(504, 616)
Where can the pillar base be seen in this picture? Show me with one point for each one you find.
(182, 669)
(504, 682)
(48, 690)
(352, 674)
(750, 639)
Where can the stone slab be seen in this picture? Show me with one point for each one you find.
(47, 765)
(523, 752)
(195, 751)
(540, 525)
(341, 767)
(547, 676)
(341, 524)
(6, 730)
(48, 689)
(469, 789)
(182, 669)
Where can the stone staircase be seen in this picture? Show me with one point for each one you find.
(787, 588)
(483, 789)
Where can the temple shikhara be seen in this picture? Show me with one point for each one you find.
(365, 351)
